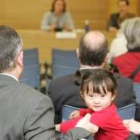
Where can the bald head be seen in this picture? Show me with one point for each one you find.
(93, 48)
(94, 39)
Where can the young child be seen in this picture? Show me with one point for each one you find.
(98, 89)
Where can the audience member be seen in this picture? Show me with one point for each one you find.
(25, 113)
(92, 54)
(129, 62)
(118, 44)
(117, 18)
(57, 19)
(132, 126)
(98, 90)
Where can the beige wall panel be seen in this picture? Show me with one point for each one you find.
(28, 14)
(113, 6)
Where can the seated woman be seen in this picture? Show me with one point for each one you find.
(129, 62)
(58, 19)
(118, 44)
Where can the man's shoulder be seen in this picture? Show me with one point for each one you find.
(62, 79)
(60, 83)
(124, 80)
(114, 15)
(29, 91)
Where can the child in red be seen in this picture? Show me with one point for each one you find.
(98, 89)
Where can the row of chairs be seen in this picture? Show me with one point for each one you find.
(126, 112)
(31, 71)
(64, 62)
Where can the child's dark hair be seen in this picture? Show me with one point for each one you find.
(101, 80)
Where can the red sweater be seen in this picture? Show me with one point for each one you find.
(110, 124)
(127, 63)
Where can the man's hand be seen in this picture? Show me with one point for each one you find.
(86, 124)
(132, 126)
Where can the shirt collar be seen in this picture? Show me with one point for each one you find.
(9, 75)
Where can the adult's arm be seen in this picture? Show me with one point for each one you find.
(45, 22)
(69, 21)
(40, 123)
(112, 23)
(126, 94)
(132, 126)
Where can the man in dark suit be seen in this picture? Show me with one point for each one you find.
(117, 18)
(92, 53)
(25, 113)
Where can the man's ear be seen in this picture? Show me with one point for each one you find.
(77, 52)
(81, 94)
(20, 59)
(106, 58)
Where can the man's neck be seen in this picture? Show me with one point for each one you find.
(10, 75)
(90, 67)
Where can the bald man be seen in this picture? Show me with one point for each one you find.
(92, 53)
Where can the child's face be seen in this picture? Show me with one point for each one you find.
(96, 101)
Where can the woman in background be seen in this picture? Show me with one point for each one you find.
(57, 19)
(129, 62)
(119, 43)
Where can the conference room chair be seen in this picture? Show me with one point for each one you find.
(63, 53)
(29, 52)
(126, 112)
(64, 62)
(59, 71)
(31, 71)
(137, 91)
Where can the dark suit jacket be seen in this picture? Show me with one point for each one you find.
(27, 114)
(114, 20)
(64, 91)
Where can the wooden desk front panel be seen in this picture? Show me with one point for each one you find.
(45, 41)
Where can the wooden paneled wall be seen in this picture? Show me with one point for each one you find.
(27, 14)
(138, 7)
(113, 6)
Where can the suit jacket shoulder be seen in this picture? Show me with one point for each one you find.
(126, 94)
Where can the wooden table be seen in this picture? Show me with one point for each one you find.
(45, 41)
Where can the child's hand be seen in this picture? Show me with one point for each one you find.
(57, 127)
(75, 114)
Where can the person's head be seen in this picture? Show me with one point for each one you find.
(93, 49)
(123, 6)
(11, 55)
(123, 25)
(98, 89)
(58, 6)
(132, 33)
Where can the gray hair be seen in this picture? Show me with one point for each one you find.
(10, 46)
(124, 24)
(132, 33)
